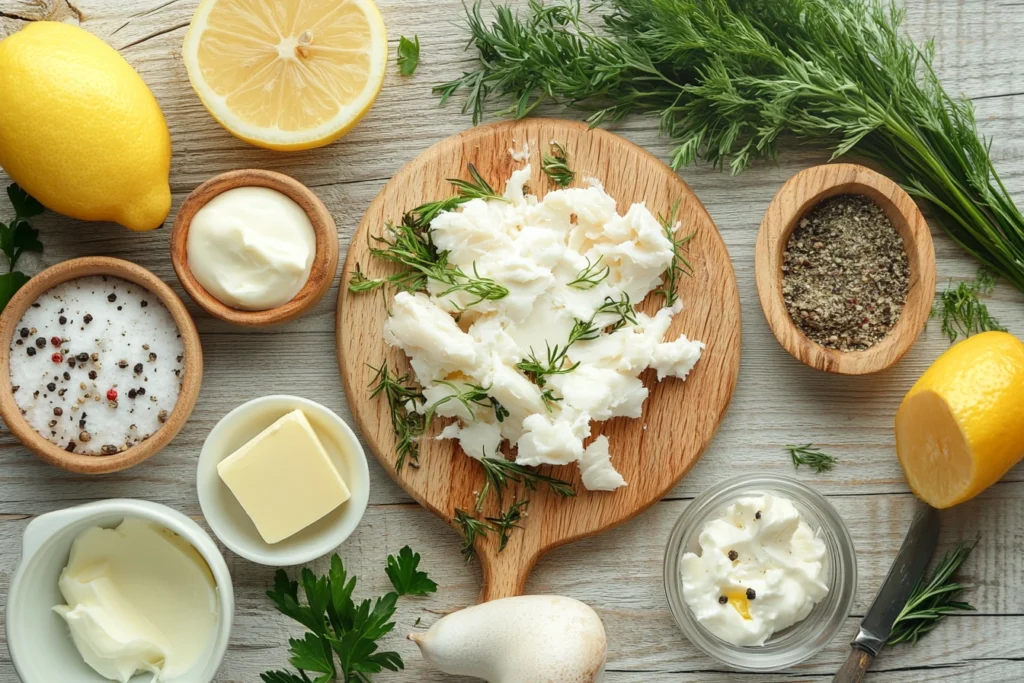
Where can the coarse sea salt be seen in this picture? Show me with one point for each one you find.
(114, 374)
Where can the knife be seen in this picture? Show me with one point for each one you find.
(906, 571)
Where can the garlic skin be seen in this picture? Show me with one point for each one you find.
(526, 639)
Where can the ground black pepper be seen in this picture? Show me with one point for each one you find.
(845, 273)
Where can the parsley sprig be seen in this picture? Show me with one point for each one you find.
(932, 599)
(16, 238)
(408, 55)
(341, 644)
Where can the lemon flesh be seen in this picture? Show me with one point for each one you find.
(287, 75)
(79, 129)
(961, 426)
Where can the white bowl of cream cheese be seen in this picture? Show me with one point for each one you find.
(760, 572)
(39, 639)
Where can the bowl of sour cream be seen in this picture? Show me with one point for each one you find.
(254, 247)
(118, 590)
(760, 572)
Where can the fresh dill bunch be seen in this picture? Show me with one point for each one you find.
(498, 472)
(556, 166)
(591, 276)
(472, 529)
(507, 521)
(729, 78)
(932, 598)
(962, 310)
(407, 425)
(811, 456)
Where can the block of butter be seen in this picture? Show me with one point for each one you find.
(284, 478)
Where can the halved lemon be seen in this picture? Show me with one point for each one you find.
(961, 426)
(287, 75)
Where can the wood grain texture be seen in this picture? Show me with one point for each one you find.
(855, 667)
(652, 452)
(74, 269)
(777, 400)
(325, 260)
(799, 195)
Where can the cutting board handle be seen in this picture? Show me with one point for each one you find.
(505, 573)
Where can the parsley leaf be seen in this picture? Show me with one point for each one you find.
(404, 576)
(341, 645)
(16, 238)
(408, 55)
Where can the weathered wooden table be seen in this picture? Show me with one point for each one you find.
(778, 400)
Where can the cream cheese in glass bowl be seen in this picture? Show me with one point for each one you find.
(760, 572)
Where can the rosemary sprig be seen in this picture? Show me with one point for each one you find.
(962, 310)
(932, 599)
(556, 166)
(591, 276)
(408, 425)
(498, 472)
(507, 521)
(679, 265)
(811, 456)
(729, 79)
(471, 528)
(472, 397)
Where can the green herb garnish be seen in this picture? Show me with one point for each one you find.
(962, 310)
(811, 456)
(507, 521)
(679, 265)
(408, 55)
(498, 472)
(556, 166)
(471, 529)
(729, 78)
(16, 238)
(341, 644)
(591, 276)
(408, 425)
(932, 599)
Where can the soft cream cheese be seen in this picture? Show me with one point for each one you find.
(139, 599)
(759, 571)
(540, 249)
(252, 248)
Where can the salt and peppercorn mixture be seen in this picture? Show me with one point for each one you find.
(96, 365)
(845, 273)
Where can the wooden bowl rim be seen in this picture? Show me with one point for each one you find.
(325, 260)
(74, 269)
(775, 230)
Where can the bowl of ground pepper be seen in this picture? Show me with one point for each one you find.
(845, 269)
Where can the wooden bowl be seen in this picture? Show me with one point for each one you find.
(191, 379)
(325, 262)
(797, 196)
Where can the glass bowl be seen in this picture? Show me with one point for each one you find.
(800, 641)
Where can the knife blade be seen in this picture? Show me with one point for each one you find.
(907, 569)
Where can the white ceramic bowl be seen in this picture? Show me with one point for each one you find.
(38, 638)
(229, 520)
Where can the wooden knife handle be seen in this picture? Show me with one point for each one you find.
(855, 667)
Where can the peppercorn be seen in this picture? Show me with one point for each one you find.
(733, 555)
(111, 394)
(109, 449)
(142, 391)
(58, 411)
(152, 356)
(122, 364)
(722, 599)
(31, 350)
(92, 374)
(71, 361)
(51, 386)
(82, 357)
(67, 375)
(144, 303)
(55, 341)
(24, 332)
(87, 318)
(112, 298)
(41, 342)
(57, 358)
(138, 368)
(758, 515)
(85, 436)
(62, 320)
(751, 594)
(132, 393)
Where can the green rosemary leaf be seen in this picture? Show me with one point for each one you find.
(932, 599)
(963, 312)
(507, 521)
(679, 265)
(471, 529)
(591, 276)
(408, 425)
(471, 397)
(408, 55)
(498, 472)
(556, 166)
(729, 79)
(811, 456)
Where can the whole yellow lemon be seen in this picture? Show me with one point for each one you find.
(79, 129)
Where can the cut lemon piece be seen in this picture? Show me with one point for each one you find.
(287, 75)
(961, 426)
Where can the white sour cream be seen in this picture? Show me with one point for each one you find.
(139, 599)
(252, 248)
(759, 571)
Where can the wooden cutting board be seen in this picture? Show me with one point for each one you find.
(652, 452)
